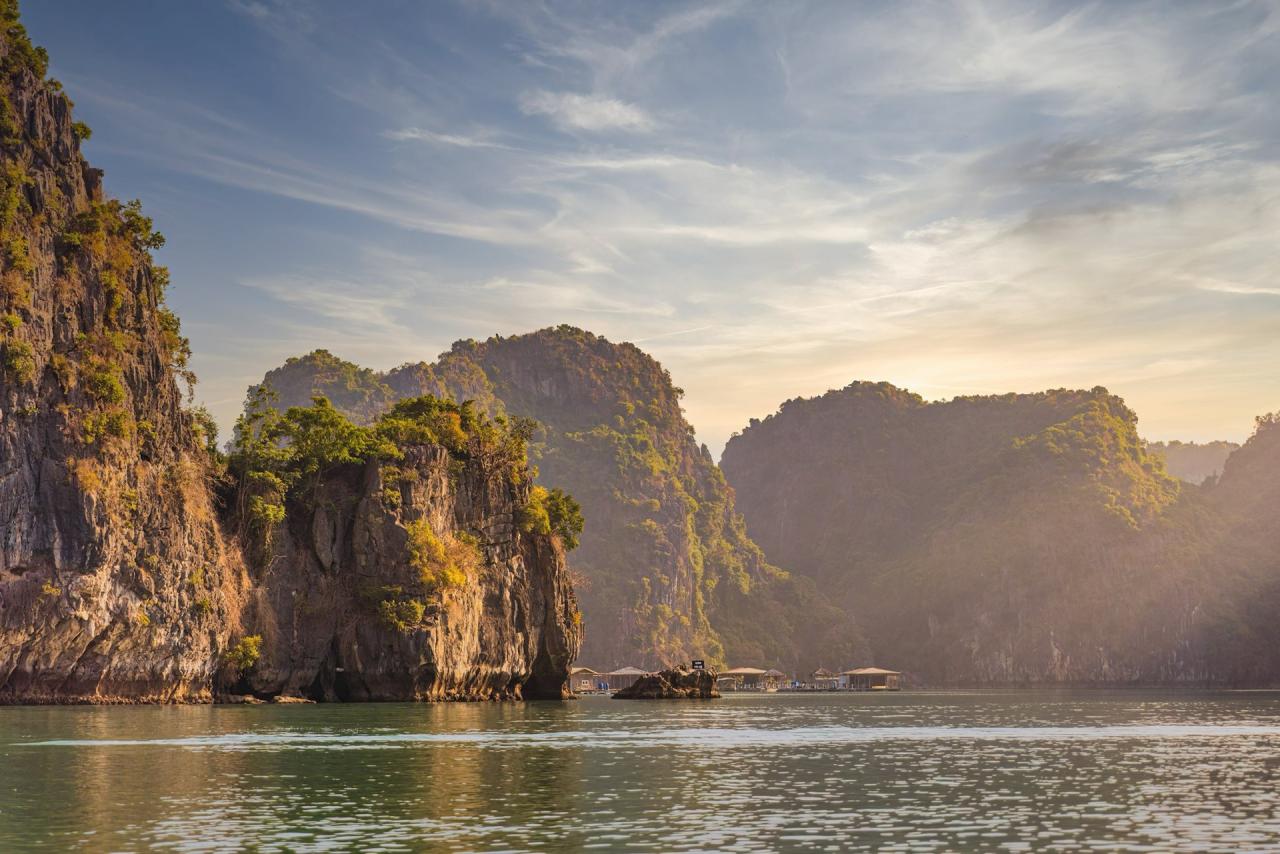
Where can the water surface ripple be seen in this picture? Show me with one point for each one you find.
(1015, 771)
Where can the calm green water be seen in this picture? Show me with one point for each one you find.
(919, 772)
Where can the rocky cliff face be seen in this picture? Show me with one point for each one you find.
(1014, 539)
(342, 611)
(117, 580)
(114, 582)
(667, 572)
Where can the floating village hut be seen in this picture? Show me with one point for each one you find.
(742, 679)
(623, 677)
(871, 679)
(751, 679)
(824, 680)
(584, 680)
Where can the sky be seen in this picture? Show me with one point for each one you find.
(773, 199)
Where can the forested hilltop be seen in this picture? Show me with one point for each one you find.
(665, 571)
(1015, 538)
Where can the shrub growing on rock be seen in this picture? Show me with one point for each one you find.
(552, 511)
(19, 360)
(442, 563)
(102, 382)
(400, 614)
(245, 654)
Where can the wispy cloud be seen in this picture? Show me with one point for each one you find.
(460, 140)
(1234, 288)
(572, 111)
(773, 198)
(278, 15)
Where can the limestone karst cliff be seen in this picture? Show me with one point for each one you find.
(114, 579)
(343, 616)
(122, 576)
(1010, 539)
(404, 561)
(1242, 634)
(667, 571)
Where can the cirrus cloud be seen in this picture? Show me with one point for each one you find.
(571, 111)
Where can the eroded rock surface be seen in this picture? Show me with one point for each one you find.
(115, 583)
(337, 603)
(680, 683)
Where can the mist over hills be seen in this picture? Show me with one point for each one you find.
(1194, 462)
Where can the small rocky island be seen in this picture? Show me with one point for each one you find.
(679, 683)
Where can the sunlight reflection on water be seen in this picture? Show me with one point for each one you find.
(911, 772)
(704, 737)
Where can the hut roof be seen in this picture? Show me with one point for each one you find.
(774, 673)
(823, 673)
(587, 670)
(871, 671)
(743, 671)
(627, 671)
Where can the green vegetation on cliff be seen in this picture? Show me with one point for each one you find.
(277, 456)
(117, 581)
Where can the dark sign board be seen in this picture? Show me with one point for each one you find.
(699, 664)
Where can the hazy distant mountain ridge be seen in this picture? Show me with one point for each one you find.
(876, 465)
(1194, 462)
(1244, 559)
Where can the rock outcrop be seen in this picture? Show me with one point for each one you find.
(115, 583)
(341, 609)
(679, 683)
(118, 579)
